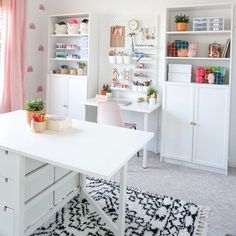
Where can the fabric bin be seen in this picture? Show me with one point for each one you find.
(180, 77)
(180, 68)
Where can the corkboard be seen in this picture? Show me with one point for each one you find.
(117, 36)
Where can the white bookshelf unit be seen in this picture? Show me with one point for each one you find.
(195, 124)
(72, 65)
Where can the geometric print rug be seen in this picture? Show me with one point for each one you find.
(147, 214)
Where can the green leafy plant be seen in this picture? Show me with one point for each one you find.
(181, 18)
(108, 90)
(34, 105)
(152, 91)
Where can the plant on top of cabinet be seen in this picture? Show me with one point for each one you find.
(182, 21)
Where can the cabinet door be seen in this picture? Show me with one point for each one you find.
(177, 133)
(57, 96)
(211, 130)
(77, 93)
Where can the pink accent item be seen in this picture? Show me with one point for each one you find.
(40, 89)
(14, 55)
(73, 21)
(108, 113)
(40, 48)
(41, 7)
(32, 26)
(30, 69)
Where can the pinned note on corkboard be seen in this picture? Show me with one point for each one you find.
(117, 36)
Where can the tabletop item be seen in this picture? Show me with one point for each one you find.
(38, 127)
(58, 123)
(215, 50)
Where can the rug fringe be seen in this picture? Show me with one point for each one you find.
(201, 225)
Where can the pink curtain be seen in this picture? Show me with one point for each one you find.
(14, 12)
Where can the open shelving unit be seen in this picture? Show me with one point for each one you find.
(201, 38)
(72, 65)
(195, 116)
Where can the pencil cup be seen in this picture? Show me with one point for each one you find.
(38, 127)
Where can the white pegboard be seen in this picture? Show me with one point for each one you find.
(150, 72)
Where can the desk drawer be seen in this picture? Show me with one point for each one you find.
(66, 188)
(6, 221)
(60, 172)
(31, 165)
(38, 181)
(8, 165)
(7, 193)
(38, 210)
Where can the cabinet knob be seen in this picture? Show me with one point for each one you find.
(193, 123)
(66, 106)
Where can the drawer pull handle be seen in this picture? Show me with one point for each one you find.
(6, 152)
(6, 180)
(193, 123)
(4, 208)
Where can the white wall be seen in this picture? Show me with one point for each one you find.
(141, 7)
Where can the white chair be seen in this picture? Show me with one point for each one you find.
(109, 113)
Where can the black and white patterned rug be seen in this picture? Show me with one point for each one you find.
(147, 214)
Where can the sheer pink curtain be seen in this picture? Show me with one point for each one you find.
(14, 12)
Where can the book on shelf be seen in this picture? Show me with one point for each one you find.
(226, 51)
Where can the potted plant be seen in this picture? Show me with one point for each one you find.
(182, 21)
(108, 92)
(34, 106)
(151, 94)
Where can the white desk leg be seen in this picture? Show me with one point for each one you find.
(122, 201)
(82, 181)
(145, 147)
(156, 133)
(85, 113)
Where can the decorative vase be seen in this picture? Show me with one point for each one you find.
(38, 127)
(30, 113)
(181, 26)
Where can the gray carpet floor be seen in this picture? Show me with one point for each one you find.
(201, 187)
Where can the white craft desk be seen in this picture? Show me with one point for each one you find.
(80, 150)
(143, 108)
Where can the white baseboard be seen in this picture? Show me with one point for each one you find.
(232, 162)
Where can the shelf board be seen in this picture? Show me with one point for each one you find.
(119, 89)
(200, 84)
(198, 32)
(65, 59)
(144, 47)
(68, 35)
(198, 58)
(69, 76)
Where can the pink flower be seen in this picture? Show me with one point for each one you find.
(30, 69)
(73, 21)
(40, 89)
(32, 26)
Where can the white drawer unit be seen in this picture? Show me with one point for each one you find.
(7, 192)
(8, 164)
(6, 221)
(60, 172)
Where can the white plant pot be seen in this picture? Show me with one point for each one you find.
(127, 60)
(152, 101)
(112, 59)
(119, 59)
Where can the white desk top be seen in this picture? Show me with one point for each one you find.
(135, 106)
(88, 148)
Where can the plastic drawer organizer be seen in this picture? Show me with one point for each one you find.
(208, 24)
